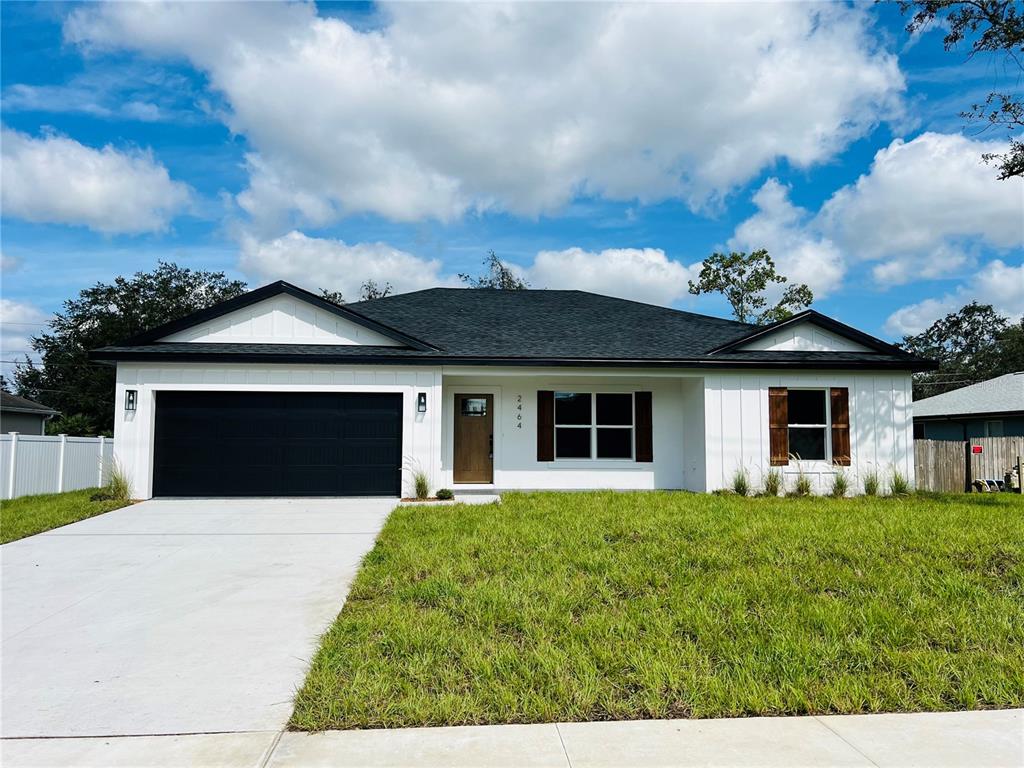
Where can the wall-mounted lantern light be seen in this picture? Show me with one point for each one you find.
(421, 402)
(131, 398)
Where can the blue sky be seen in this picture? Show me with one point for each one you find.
(607, 148)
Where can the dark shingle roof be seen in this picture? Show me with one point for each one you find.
(490, 322)
(15, 404)
(535, 327)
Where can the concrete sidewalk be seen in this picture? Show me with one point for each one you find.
(994, 738)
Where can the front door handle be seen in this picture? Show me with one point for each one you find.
(490, 446)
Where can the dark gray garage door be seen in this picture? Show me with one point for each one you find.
(277, 444)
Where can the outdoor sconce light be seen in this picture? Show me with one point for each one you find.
(130, 399)
(421, 402)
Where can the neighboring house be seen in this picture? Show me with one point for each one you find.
(279, 392)
(993, 408)
(17, 414)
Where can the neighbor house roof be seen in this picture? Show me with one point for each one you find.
(532, 327)
(1003, 394)
(14, 404)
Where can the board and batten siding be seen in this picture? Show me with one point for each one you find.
(676, 442)
(133, 431)
(281, 320)
(737, 426)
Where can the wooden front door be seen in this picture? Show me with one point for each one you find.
(474, 439)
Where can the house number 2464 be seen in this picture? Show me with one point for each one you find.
(519, 411)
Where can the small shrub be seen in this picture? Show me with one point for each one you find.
(421, 483)
(802, 487)
(119, 485)
(740, 482)
(772, 482)
(898, 484)
(871, 483)
(445, 494)
(840, 484)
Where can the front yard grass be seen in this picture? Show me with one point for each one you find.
(597, 606)
(29, 515)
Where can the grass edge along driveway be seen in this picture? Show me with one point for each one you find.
(29, 515)
(600, 606)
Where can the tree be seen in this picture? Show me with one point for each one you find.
(993, 27)
(335, 297)
(5, 385)
(75, 424)
(973, 344)
(497, 275)
(107, 314)
(371, 290)
(743, 279)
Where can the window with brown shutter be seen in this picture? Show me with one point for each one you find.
(643, 406)
(840, 400)
(545, 425)
(778, 425)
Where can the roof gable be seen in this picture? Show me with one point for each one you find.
(802, 337)
(278, 313)
(281, 319)
(809, 331)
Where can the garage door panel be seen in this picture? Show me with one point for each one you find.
(277, 444)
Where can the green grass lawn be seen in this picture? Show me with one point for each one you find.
(30, 515)
(595, 606)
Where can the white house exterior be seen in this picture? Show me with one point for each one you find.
(194, 399)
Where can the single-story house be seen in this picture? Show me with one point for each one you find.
(280, 393)
(21, 415)
(993, 408)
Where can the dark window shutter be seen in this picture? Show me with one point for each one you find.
(840, 397)
(643, 416)
(778, 425)
(545, 425)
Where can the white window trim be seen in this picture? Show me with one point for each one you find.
(827, 426)
(593, 426)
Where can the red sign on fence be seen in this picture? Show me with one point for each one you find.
(977, 449)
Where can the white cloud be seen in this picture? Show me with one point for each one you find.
(641, 274)
(902, 217)
(799, 253)
(316, 263)
(19, 320)
(9, 263)
(57, 180)
(924, 207)
(520, 107)
(997, 283)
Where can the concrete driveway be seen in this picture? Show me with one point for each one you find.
(175, 616)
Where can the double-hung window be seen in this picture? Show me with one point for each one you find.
(592, 425)
(808, 424)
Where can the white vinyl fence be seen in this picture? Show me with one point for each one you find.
(32, 464)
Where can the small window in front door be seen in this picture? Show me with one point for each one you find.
(474, 406)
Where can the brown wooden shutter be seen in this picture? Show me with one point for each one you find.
(545, 425)
(840, 426)
(778, 426)
(644, 408)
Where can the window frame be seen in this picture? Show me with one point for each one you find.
(593, 426)
(826, 393)
(988, 428)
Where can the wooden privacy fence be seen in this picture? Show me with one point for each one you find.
(950, 465)
(32, 464)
